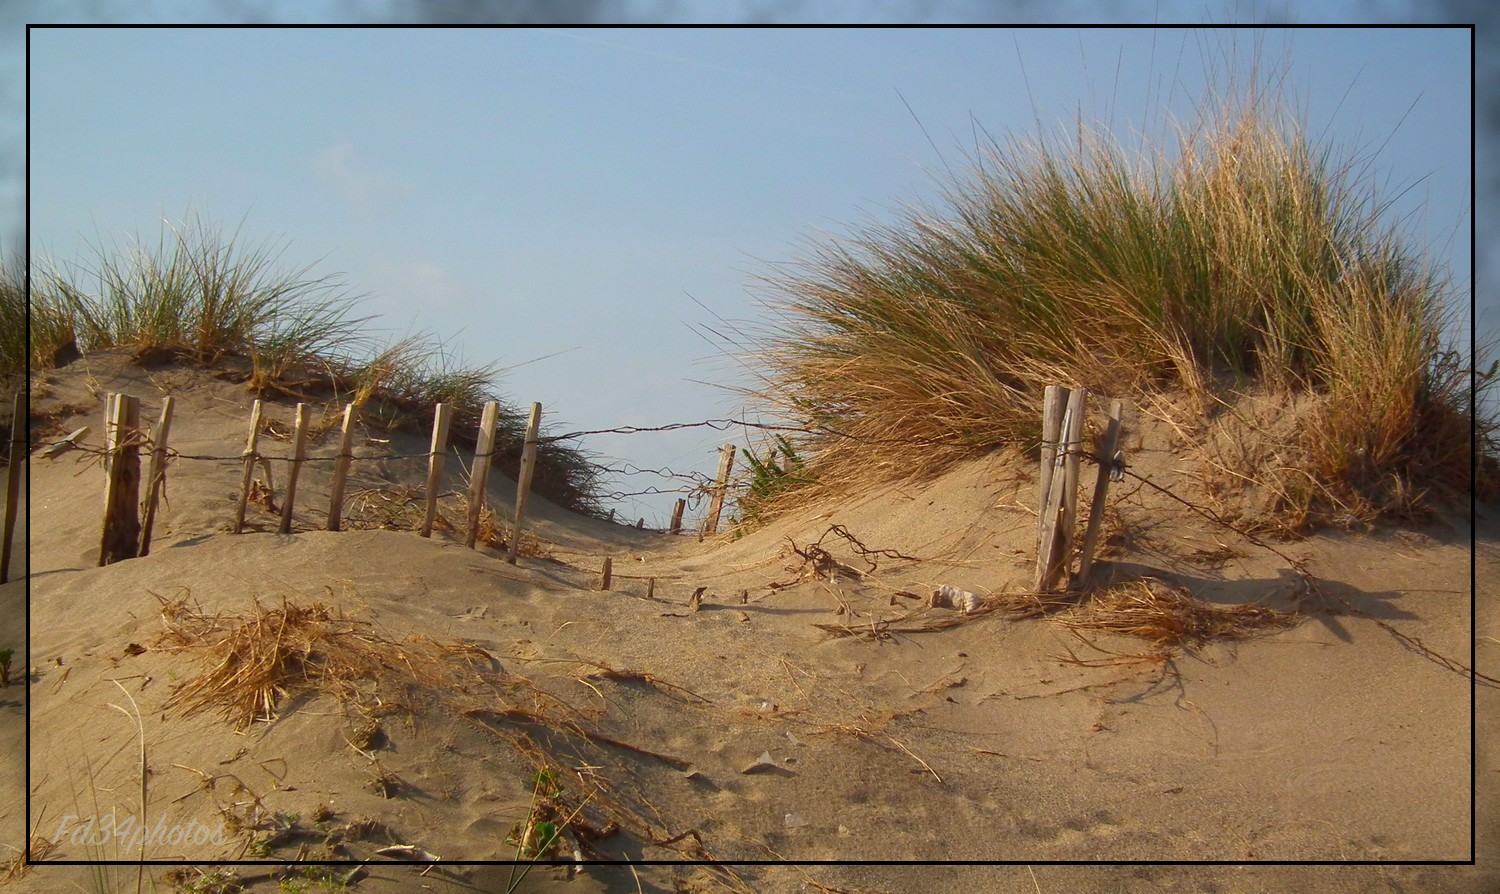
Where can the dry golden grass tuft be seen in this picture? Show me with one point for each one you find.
(257, 659)
(17, 867)
(1171, 616)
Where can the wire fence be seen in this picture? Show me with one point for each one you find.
(696, 487)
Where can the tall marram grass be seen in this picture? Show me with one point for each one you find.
(1241, 255)
(203, 294)
(12, 317)
(199, 292)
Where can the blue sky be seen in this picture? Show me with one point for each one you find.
(596, 198)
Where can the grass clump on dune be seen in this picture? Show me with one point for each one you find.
(203, 295)
(1246, 257)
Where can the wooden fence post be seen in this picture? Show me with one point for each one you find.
(721, 483)
(480, 473)
(239, 513)
(442, 418)
(607, 574)
(676, 526)
(523, 481)
(341, 471)
(1078, 405)
(111, 432)
(156, 479)
(121, 535)
(1055, 538)
(299, 453)
(13, 481)
(1101, 488)
(1053, 402)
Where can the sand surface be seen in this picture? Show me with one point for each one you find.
(995, 739)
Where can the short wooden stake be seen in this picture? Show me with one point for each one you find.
(299, 453)
(442, 420)
(121, 536)
(156, 477)
(721, 483)
(250, 457)
(1101, 488)
(13, 481)
(523, 482)
(676, 527)
(650, 588)
(640, 523)
(611, 515)
(480, 472)
(341, 471)
(608, 574)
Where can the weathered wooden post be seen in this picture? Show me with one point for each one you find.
(676, 526)
(1054, 400)
(523, 481)
(721, 484)
(111, 431)
(442, 418)
(121, 535)
(1078, 405)
(1058, 510)
(341, 471)
(250, 455)
(13, 480)
(1101, 488)
(156, 478)
(299, 453)
(480, 473)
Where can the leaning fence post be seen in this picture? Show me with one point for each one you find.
(13, 481)
(121, 535)
(299, 453)
(442, 418)
(341, 471)
(156, 479)
(483, 454)
(676, 526)
(721, 483)
(239, 512)
(1101, 488)
(523, 481)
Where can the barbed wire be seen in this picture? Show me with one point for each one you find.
(725, 424)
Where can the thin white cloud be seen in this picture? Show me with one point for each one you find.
(358, 181)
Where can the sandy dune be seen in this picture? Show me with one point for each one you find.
(994, 739)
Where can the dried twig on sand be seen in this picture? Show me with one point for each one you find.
(818, 562)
